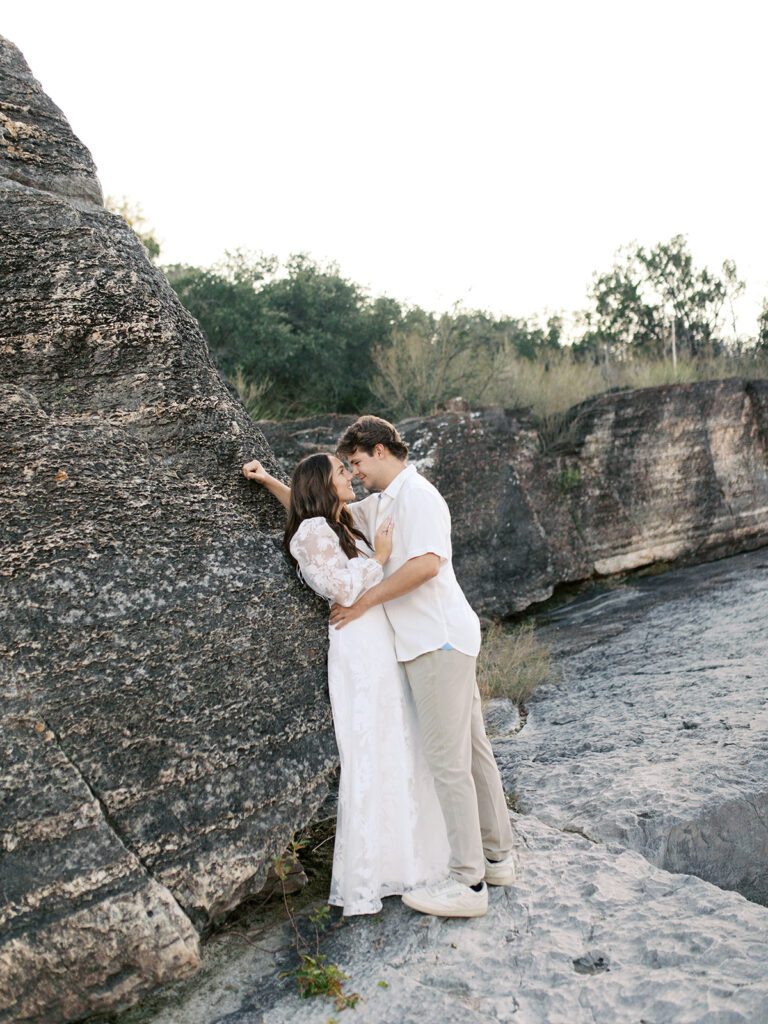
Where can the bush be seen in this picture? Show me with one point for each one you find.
(424, 364)
(302, 328)
(430, 359)
(512, 663)
(254, 395)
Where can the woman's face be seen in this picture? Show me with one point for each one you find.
(342, 480)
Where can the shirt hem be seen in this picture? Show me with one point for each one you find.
(431, 650)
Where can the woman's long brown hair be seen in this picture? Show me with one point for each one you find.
(313, 494)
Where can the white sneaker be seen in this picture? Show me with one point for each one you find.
(448, 898)
(501, 872)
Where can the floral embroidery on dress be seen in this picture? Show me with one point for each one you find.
(326, 569)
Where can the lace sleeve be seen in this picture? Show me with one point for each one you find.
(326, 568)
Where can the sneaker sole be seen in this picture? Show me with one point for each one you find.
(505, 878)
(425, 908)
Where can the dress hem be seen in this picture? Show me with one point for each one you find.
(374, 904)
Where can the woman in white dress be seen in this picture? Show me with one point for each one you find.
(390, 831)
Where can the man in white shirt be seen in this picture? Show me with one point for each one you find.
(437, 637)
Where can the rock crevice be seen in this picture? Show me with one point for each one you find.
(105, 817)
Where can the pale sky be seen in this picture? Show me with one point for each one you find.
(492, 153)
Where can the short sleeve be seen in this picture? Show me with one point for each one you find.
(325, 567)
(424, 524)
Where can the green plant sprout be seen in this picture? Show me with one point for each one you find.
(314, 974)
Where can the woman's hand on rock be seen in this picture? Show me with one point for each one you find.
(254, 470)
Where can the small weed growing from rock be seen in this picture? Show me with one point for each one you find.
(559, 432)
(568, 479)
(512, 798)
(314, 975)
(512, 663)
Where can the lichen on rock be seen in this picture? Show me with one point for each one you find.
(151, 625)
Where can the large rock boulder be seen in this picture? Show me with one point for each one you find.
(165, 727)
(668, 474)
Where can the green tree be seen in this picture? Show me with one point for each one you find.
(226, 301)
(762, 328)
(328, 328)
(655, 297)
(484, 334)
(302, 328)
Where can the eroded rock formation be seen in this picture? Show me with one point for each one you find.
(668, 474)
(656, 732)
(164, 726)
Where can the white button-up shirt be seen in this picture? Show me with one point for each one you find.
(436, 613)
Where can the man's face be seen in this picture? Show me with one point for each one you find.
(368, 469)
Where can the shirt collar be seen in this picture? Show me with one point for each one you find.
(393, 489)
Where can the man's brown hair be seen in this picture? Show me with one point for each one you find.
(368, 431)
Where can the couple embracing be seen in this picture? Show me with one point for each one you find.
(421, 810)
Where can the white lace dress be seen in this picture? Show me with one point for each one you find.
(390, 831)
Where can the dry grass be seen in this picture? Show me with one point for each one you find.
(253, 394)
(550, 387)
(417, 374)
(512, 663)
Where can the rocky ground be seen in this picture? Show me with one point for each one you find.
(657, 734)
(593, 931)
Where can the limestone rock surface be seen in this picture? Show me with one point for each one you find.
(165, 721)
(292, 440)
(591, 934)
(656, 733)
(669, 474)
(37, 146)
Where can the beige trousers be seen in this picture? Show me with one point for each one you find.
(459, 755)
